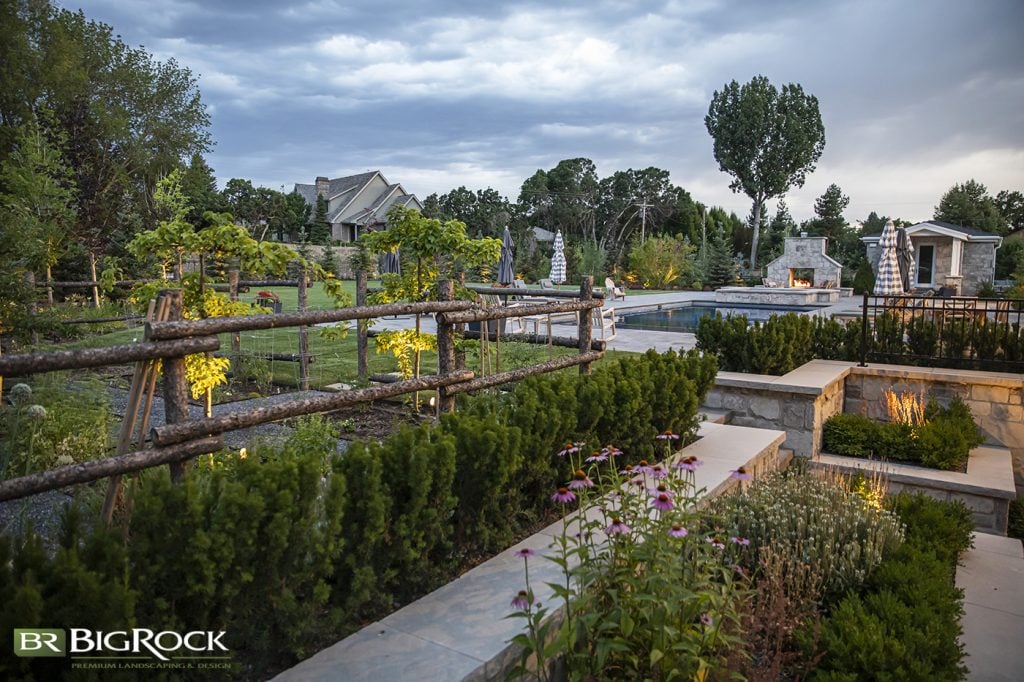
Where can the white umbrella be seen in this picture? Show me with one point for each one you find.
(558, 261)
(887, 280)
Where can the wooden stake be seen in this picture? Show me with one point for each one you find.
(95, 289)
(362, 338)
(175, 384)
(303, 334)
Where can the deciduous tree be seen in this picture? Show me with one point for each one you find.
(768, 140)
(970, 205)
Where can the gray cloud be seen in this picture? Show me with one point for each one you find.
(915, 96)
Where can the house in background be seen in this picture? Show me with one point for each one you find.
(946, 255)
(357, 203)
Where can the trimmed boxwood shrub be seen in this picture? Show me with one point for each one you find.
(944, 441)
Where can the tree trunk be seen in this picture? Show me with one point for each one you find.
(755, 238)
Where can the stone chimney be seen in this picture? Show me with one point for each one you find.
(323, 187)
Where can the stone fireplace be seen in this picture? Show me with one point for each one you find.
(804, 264)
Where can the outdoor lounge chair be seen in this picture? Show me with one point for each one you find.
(604, 323)
(615, 291)
(770, 283)
(545, 284)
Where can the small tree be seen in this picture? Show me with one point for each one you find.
(320, 228)
(430, 251)
(662, 262)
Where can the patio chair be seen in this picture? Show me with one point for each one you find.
(616, 292)
(545, 284)
(604, 322)
(770, 283)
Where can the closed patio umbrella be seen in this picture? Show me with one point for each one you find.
(506, 275)
(391, 263)
(887, 280)
(905, 258)
(558, 261)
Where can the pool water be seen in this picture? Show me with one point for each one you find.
(685, 318)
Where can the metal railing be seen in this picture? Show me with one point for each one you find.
(958, 332)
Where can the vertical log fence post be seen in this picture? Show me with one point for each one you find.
(95, 288)
(236, 339)
(586, 328)
(303, 333)
(445, 349)
(30, 279)
(49, 289)
(362, 335)
(175, 385)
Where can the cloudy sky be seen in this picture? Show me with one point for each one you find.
(915, 95)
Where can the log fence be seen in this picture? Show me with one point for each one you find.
(182, 438)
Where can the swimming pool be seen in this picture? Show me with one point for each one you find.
(686, 317)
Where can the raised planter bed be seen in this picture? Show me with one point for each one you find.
(986, 487)
(460, 631)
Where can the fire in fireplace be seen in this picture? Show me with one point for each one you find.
(801, 278)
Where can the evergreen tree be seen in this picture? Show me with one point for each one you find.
(970, 205)
(781, 226)
(320, 228)
(200, 188)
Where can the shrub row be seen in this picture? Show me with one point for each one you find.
(295, 545)
(784, 342)
(779, 345)
(944, 441)
(904, 624)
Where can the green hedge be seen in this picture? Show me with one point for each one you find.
(296, 545)
(779, 345)
(944, 441)
(904, 624)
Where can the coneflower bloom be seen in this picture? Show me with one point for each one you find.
(628, 471)
(596, 456)
(688, 463)
(643, 467)
(663, 502)
(677, 530)
(716, 542)
(707, 619)
(617, 527)
(611, 450)
(739, 541)
(741, 474)
(521, 601)
(563, 496)
(525, 552)
(570, 449)
(667, 435)
(658, 471)
(580, 480)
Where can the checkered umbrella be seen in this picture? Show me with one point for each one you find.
(887, 279)
(905, 257)
(506, 275)
(558, 261)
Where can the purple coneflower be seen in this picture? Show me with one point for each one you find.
(563, 496)
(628, 471)
(643, 467)
(663, 502)
(525, 552)
(611, 450)
(739, 541)
(741, 474)
(570, 449)
(688, 463)
(521, 601)
(658, 471)
(677, 531)
(617, 527)
(598, 456)
(580, 480)
(662, 489)
(707, 619)
(667, 435)
(716, 542)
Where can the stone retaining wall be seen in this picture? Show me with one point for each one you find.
(996, 399)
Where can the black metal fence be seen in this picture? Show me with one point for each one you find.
(957, 332)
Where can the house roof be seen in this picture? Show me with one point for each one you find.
(344, 191)
(941, 228)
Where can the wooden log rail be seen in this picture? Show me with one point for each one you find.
(517, 374)
(161, 331)
(543, 293)
(540, 339)
(268, 283)
(84, 472)
(102, 320)
(25, 364)
(89, 285)
(500, 312)
(232, 421)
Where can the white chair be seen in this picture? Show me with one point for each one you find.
(616, 292)
(604, 322)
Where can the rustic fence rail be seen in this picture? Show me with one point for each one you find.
(183, 438)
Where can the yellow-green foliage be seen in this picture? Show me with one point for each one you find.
(404, 344)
